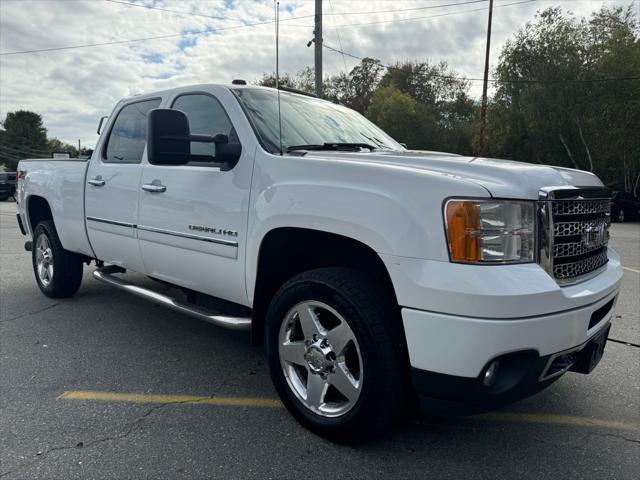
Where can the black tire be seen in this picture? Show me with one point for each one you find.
(620, 216)
(374, 320)
(67, 266)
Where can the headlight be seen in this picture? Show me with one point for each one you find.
(490, 231)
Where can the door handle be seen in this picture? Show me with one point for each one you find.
(153, 187)
(96, 182)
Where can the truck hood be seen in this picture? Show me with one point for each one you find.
(502, 178)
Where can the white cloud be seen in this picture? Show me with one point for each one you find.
(73, 88)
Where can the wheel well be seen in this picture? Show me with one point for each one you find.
(285, 252)
(38, 210)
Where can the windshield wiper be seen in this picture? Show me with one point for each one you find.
(349, 147)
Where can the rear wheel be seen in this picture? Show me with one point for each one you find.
(620, 216)
(334, 354)
(57, 271)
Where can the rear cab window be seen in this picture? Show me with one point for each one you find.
(128, 136)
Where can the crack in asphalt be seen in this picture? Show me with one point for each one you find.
(624, 342)
(615, 435)
(43, 309)
(81, 446)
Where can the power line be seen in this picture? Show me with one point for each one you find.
(415, 19)
(412, 9)
(214, 30)
(133, 40)
(193, 14)
(18, 156)
(495, 80)
(333, 19)
(10, 155)
(25, 150)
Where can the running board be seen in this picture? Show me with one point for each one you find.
(105, 275)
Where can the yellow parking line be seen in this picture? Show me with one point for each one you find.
(142, 398)
(148, 398)
(631, 269)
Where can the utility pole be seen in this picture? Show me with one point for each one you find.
(317, 38)
(78, 147)
(483, 110)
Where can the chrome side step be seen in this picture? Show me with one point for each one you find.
(105, 275)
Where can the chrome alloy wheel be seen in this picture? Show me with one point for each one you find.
(44, 260)
(320, 358)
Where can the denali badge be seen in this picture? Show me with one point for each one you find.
(594, 235)
(217, 231)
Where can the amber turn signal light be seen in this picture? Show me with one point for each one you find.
(463, 222)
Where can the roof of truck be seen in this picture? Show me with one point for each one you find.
(230, 86)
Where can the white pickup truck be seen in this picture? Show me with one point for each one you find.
(375, 275)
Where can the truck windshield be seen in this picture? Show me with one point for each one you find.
(308, 121)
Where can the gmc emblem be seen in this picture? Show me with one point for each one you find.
(594, 235)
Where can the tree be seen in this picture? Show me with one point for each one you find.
(551, 105)
(397, 114)
(356, 90)
(445, 110)
(304, 80)
(56, 146)
(23, 136)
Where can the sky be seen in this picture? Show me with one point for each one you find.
(215, 41)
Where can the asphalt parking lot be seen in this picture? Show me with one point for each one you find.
(106, 385)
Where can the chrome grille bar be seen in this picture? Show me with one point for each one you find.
(574, 231)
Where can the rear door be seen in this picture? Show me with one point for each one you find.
(193, 218)
(113, 181)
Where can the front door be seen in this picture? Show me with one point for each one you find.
(193, 218)
(113, 180)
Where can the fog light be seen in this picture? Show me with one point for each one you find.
(490, 374)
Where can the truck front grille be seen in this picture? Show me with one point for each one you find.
(575, 232)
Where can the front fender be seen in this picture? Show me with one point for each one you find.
(392, 210)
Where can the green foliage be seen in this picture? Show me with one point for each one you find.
(56, 146)
(567, 117)
(549, 106)
(357, 89)
(304, 80)
(396, 113)
(444, 111)
(563, 117)
(23, 135)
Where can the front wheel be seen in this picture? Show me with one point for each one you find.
(335, 353)
(58, 271)
(620, 216)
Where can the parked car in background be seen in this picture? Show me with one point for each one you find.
(624, 207)
(7, 185)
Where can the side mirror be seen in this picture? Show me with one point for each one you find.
(102, 119)
(227, 153)
(168, 137)
(169, 141)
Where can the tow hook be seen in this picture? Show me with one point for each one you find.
(28, 245)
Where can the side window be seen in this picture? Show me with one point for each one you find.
(206, 117)
(128, 135)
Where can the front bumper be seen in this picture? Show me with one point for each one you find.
(462, 346)
(519, 375)
(459, 318)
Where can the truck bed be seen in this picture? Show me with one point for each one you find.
(62, 183)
